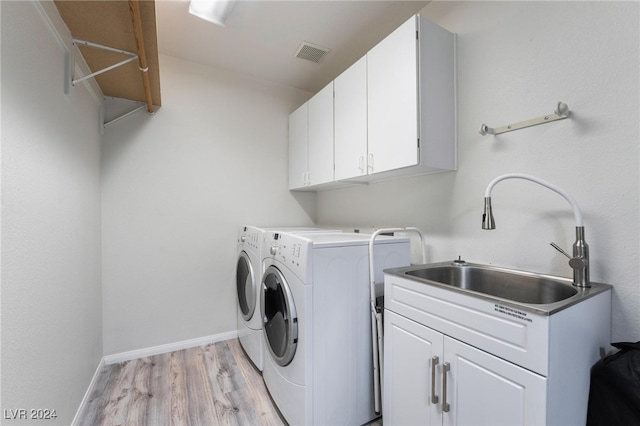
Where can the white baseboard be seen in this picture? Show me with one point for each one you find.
(87, 394)
(169, 347)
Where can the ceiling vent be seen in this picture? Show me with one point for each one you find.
(311, 52)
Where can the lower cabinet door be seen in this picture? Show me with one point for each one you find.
(432, 379)
(483, 389)
(412, 360)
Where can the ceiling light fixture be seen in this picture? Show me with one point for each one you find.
(216, 11)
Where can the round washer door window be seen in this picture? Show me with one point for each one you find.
(280, 321)
(246, 286)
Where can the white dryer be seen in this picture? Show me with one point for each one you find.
(317, 324)
(248, 274)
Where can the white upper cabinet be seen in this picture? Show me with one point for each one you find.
(311, 142)
(298, 147)
(321, 137)
(391, 114)
(393, 100)
(350, 105)
(411, 100)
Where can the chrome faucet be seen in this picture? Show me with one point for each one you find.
(579, 262)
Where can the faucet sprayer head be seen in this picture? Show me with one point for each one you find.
(487, 216)
(580, 259)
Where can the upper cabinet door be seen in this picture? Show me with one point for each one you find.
(321, 136)
(298, 147)
(350, 106)
(392, 79)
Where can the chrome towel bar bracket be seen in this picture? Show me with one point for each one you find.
(561, 112)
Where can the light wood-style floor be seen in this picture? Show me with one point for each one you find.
(209, 385)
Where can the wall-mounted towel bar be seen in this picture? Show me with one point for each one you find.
(561, 112)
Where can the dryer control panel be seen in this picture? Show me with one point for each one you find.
(249, 237)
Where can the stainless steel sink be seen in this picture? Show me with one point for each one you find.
(506, 285)
(539, 293)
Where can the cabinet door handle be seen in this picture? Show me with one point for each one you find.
(445, 369)
(361, 163)
(434, 362)
(370, 162)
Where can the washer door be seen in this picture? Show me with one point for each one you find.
(246, 286)
(280, 321)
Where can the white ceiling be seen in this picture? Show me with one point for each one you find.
(261, 37)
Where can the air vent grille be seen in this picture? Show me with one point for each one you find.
(311, 52)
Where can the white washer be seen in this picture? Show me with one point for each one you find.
(248, 273)
(317, 324)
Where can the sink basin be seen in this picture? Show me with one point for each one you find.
(518, 287)
(527, 291)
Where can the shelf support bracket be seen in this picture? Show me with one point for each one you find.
(561, 112)
(70, 62)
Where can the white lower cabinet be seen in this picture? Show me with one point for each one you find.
(503, 362)
(431, 379)
(408, 382)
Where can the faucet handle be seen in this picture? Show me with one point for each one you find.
(557, 247)
(574, 262)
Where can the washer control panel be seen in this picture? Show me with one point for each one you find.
(291, 250)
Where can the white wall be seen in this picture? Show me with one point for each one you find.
(516, 60)
(51, 291)
(176, 188)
